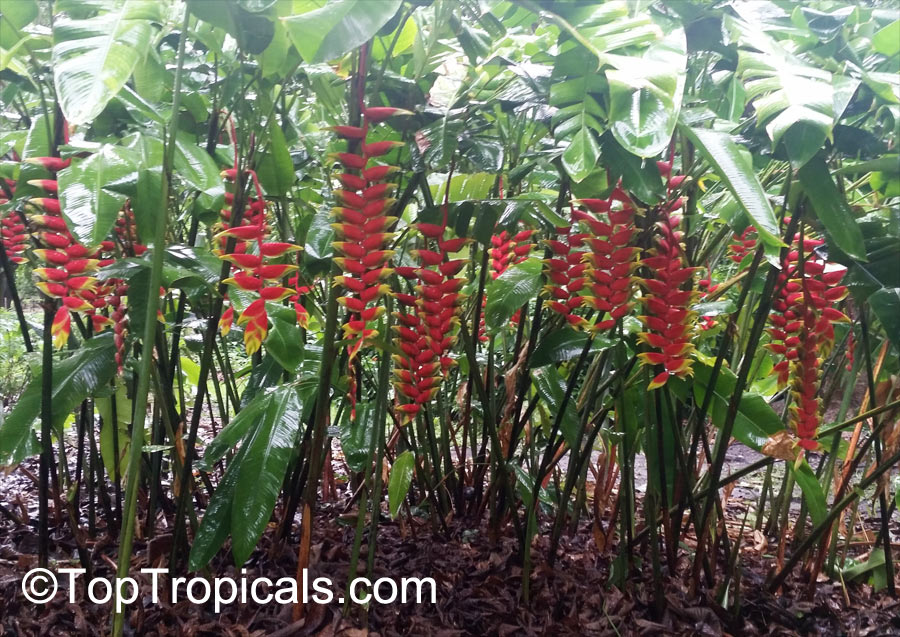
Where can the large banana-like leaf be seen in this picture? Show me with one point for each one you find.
(261, 472)
(327, 32)
(793, 99)
(94, 57)
(75, 378)
(89, 204)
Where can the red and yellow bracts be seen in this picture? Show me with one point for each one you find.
(802, 332)
(426, 327)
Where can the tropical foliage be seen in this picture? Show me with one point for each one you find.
(493, 251)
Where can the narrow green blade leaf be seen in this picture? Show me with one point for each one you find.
(831, 208)
(722, 154)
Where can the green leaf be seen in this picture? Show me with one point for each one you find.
(645, 94)
(400, 480)
(357, 434)
(317, 251)
(93, 58)
(216, 523)
(327, 32)
(564, 344)
(831, 208)
(107, 430)
(756, 421)
(276, 170)
(234, 431)
(641, 178)
(551, 387)
(89, 205)
(261, 472)
(80, 375)
(578, 120)
(284, 344)
(194, 165)
(15, 16)
(812, 490)
(887, 40)
(737, 174)
(885, 303)
(510, 291)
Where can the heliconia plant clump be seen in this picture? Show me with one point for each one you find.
(548, 281)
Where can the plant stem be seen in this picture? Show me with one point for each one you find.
(148, 342)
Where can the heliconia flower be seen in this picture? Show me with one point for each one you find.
(53, 164)
(256, 325)
(61, 327)
(670, 324)
(14, 237)
(802, 332)
(743, 244)
(248, 255)
(49, 185)
(377, 114)
(425, 330)
(611, 257)
(226, 320)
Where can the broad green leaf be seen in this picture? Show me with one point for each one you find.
(641, 178)
(756, 421)
(812, 490)
(276, 170)
(37, 144)
(327, 32)
(645, 94)
(831, 208)
(357, 435)
(564, 344)
(284, 344)
(579, 121)
(80, 375)
(93, 58)
(510, 291)
(234, 431)
(216, 523)
(261, 472)
(887, 40)
(317, 251)
(885, 303)
(737, 174)
(15, 16)
(400, 480)
(551, 387)
(88, 203)
(194, 165)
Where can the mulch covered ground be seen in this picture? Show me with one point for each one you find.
(478, 581)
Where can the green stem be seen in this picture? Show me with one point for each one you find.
(148, 341)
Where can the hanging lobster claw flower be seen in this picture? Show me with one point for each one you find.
(246, 261)
(349, 132)
(377, 173)
(61, 327)
(275, 293)
(244, 282)
(378, 114)
(274, 249)
(226, 321)
(53, 164)
(244, 233)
